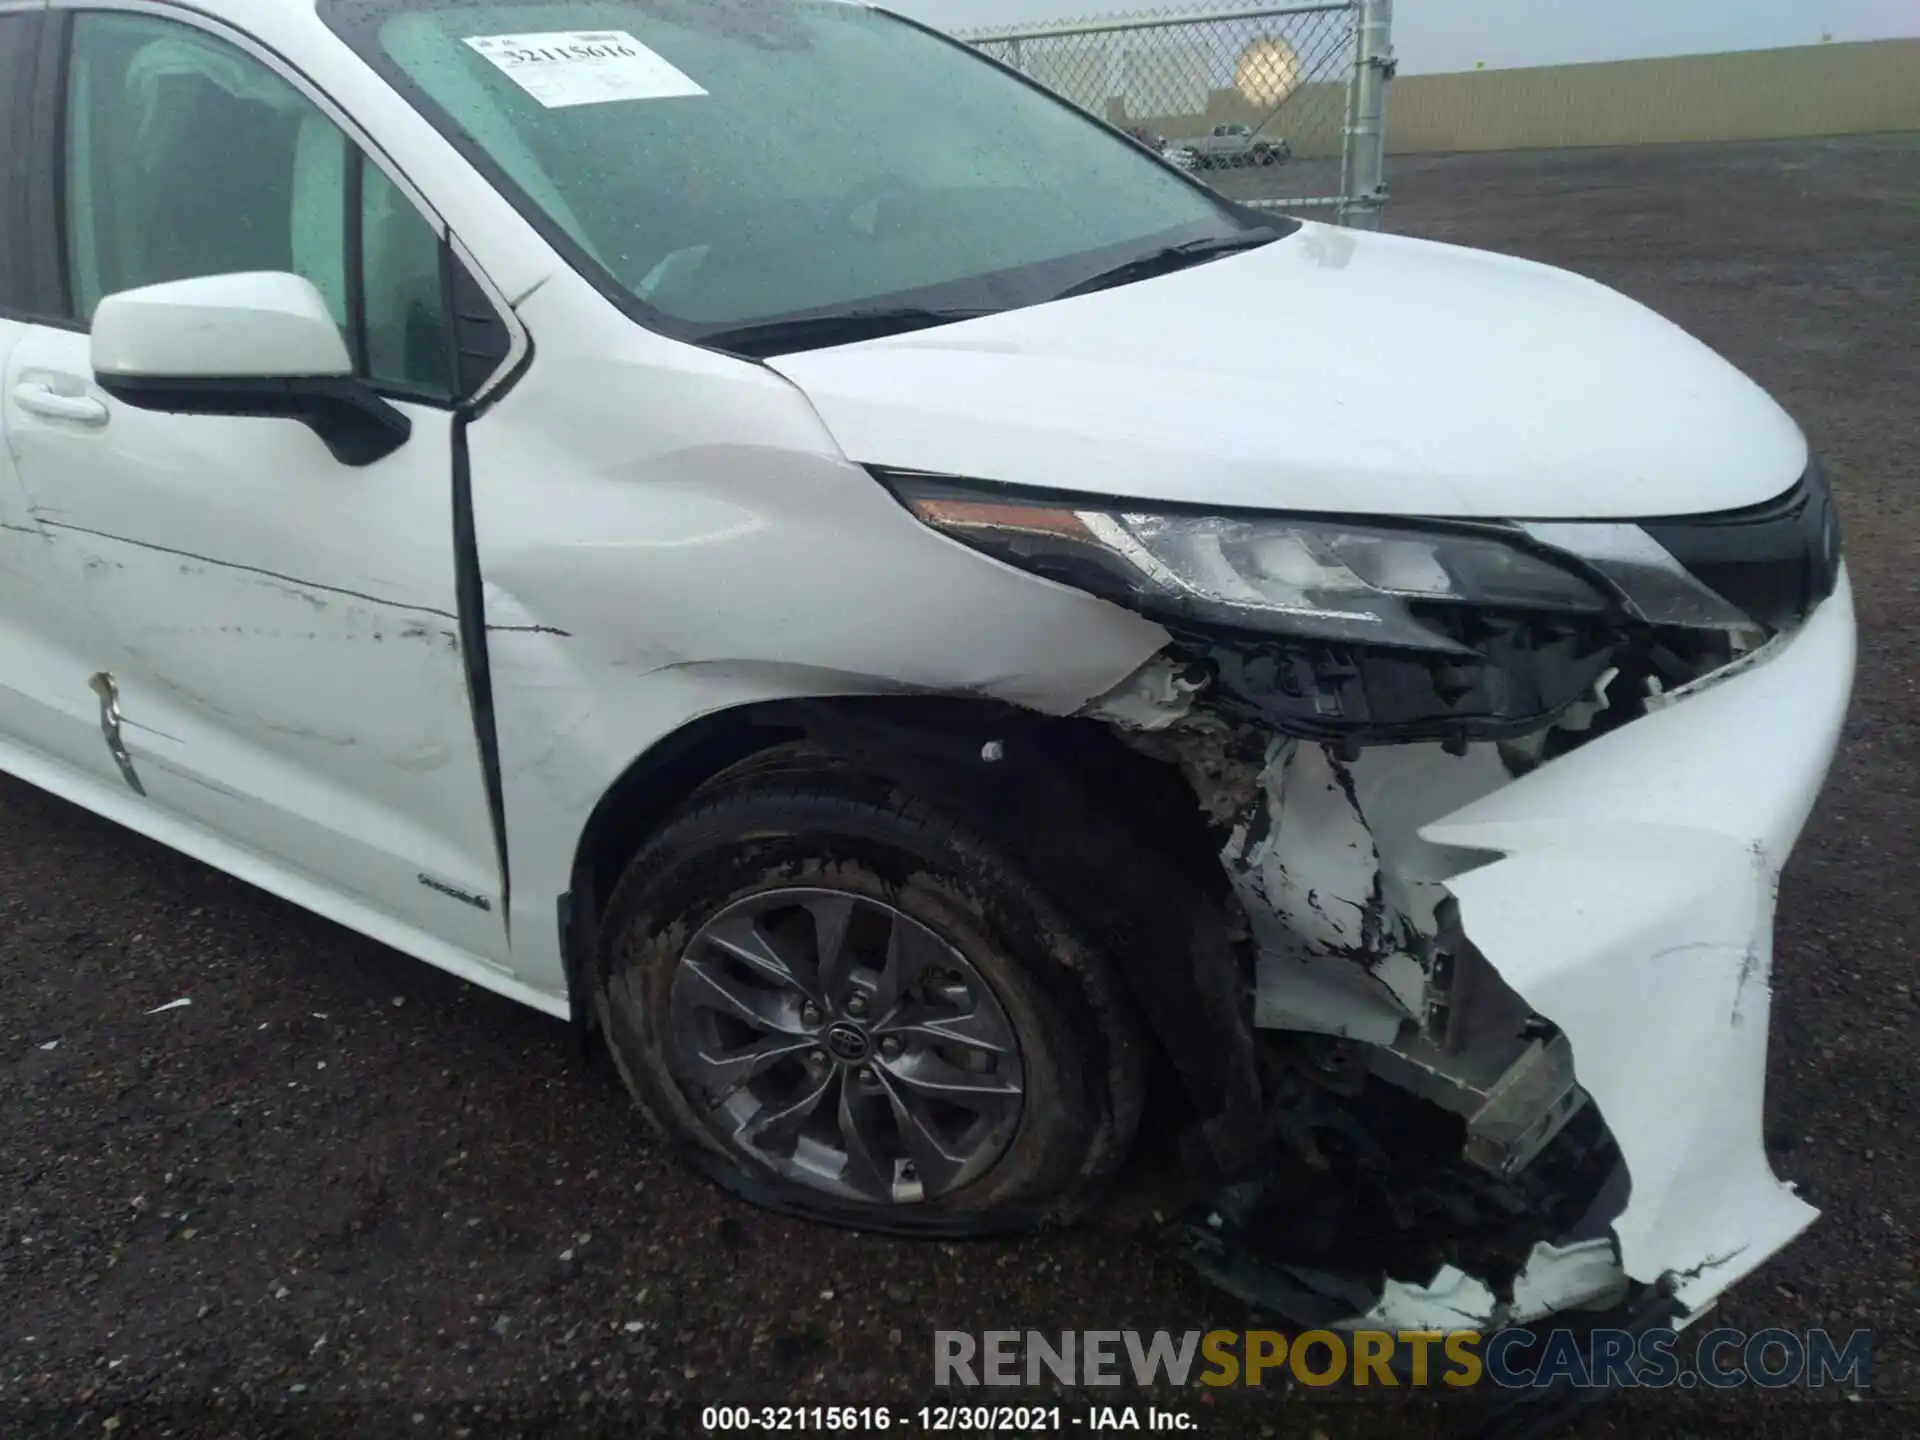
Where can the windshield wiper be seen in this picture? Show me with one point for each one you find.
(1163, 262)
(817, 332)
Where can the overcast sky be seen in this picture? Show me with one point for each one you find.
(1442, 35)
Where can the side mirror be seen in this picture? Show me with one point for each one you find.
(259, 344)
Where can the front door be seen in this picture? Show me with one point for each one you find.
(47, 726)
(281, 629)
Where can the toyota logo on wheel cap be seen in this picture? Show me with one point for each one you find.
(847, 1042)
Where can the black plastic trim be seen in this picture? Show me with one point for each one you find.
(470, 601)
(1775, 561)
(353, 255)
(575, 948)
(356, 425)
(480, 339)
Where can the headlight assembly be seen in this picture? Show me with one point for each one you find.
(1386, 630)
(1330, 579)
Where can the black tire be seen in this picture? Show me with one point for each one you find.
(1081, 1061)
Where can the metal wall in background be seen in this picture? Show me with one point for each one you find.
(1307, 80)
(1853, 88)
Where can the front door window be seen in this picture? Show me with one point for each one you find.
(188, 157)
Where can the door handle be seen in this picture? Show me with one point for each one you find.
(37, 398)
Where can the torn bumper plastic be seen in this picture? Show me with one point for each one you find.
(1633, 906)
(1597, 932)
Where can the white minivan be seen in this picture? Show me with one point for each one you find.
(753, 527)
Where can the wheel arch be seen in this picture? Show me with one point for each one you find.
(640, 800)
(671, 771)
(1114, 837)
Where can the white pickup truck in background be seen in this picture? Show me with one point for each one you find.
(1231, 145)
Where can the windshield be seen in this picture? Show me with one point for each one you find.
(717, 165)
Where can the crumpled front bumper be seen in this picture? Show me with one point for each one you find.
(1595, 933)
(1632, 904)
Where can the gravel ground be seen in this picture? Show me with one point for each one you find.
(341, 1189)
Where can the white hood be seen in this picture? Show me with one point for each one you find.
(1333, 370)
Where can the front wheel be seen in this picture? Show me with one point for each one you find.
(855, 1009)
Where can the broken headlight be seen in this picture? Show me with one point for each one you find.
(1385, 631)
(1361, 583)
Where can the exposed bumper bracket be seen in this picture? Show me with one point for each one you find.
(1528, 1107)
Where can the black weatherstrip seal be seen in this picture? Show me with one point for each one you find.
(471, 603)
(469, 592)
(476, 333)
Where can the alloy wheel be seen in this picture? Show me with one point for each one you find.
(846, 1045)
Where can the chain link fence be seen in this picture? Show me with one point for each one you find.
(1278, 106)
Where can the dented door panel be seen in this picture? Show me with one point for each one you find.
(49, 646)
(282, 633)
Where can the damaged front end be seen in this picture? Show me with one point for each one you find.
(1503, 810)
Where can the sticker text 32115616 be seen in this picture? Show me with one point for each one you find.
(584, 67)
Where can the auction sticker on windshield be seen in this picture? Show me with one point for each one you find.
(570, 67)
